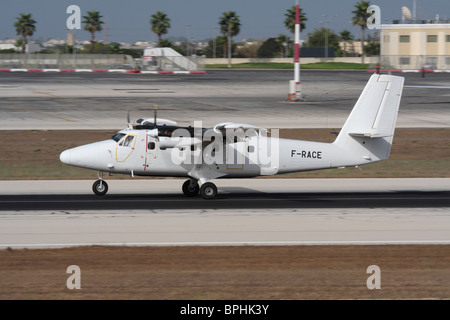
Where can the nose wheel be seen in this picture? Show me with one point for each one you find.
(100, 187)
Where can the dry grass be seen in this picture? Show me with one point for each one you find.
(228, 273)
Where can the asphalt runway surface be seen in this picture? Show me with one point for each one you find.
(155, 212)
(100, 100)
(233, 194)
(245, 199)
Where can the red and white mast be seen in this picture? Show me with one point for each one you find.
(294, 85)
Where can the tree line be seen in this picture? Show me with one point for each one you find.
(222, 46)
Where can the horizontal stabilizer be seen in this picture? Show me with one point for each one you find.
(368, 135)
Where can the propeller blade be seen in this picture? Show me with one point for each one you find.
(128, 119)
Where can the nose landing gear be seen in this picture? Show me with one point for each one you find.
(100, 187)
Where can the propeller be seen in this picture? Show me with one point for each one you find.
(130, 125)
(155, 108)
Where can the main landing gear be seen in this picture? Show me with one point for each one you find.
(100, 187)
(208, 190)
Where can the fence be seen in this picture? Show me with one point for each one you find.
(66, 61)
(405, 62)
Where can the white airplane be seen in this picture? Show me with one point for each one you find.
(159, 147)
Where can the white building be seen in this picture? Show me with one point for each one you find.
(411, 46)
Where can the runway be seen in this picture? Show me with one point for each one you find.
(314, 211)
(233, 194)
(229, 198)
(87, 101)
(248, 211)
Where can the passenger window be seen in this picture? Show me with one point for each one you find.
(251, 149)
(151, 145)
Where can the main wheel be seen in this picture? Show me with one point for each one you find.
(208, 190)
(100, 187)
(189, 190)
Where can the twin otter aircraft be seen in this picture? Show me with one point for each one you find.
(159, 147)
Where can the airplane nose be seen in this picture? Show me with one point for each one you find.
(91, 156)
(66, 157)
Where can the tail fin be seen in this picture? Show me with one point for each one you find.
(369, 130)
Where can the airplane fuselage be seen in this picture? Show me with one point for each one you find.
(138, 153)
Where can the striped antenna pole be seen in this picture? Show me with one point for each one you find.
(294, 85)
(297, 43)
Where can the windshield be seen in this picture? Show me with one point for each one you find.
(118, 136)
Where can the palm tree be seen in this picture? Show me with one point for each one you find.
(282, 40)
(92, 23)
(160, 24)
(345, 36)
(230, 26)
(360, 19)
(289, 22)
(25, 26)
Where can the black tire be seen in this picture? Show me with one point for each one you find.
(100, 187)
(188, 190)
(208, 190)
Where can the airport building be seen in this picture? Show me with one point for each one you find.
(415, 45)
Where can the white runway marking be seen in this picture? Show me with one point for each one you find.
(275, 243)
(429, 87)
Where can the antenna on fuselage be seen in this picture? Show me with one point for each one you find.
(155, 108)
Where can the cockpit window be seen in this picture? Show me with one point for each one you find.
(118, 136)
(127, 142)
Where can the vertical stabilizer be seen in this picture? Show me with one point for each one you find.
(369, 129)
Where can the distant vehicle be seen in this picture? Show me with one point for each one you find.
(160, 147)
(429, 66)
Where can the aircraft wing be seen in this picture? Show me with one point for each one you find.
(159, 121)
(222, 127)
